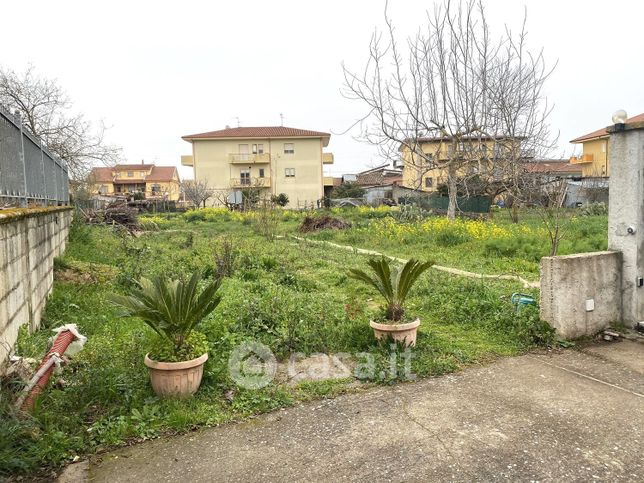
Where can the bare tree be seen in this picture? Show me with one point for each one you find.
(45, 110)
(453, 83)
(197, 192)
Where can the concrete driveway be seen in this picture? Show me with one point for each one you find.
(575, 415)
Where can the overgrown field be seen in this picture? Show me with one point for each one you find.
(290, 295)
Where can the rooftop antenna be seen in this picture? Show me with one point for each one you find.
(281, 119)
(238, 125)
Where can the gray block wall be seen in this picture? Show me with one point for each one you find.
(581, 294)
(29, 241)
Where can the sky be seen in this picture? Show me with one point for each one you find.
(154, 71)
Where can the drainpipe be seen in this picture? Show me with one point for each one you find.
(66, 335)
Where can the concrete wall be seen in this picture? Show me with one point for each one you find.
(568, 282)
(626, 210)
(29, 241)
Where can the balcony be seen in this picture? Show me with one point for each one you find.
(327, 158)
(187, 160)
(250, 182)
(248, 158)
(583, 158)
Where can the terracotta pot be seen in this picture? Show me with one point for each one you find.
(398, 332)
(176, 379)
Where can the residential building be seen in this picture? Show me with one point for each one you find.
(429, 171)
(594, 159)
(155, 182)
(272, 159)
(379, 176)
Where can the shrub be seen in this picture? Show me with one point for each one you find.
(172, 308)
(280, 200)
(520, 246)
(392, 283)
(594, 209)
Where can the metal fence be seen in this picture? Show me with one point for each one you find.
(29, 173)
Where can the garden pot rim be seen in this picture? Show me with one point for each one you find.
(395, 327)
(173, 366)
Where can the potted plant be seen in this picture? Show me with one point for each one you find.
(394, 284)
(173, 308)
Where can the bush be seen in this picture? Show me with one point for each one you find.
(519, 246)
(594, 209)
(280, 200)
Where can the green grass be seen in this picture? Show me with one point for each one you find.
(292, 296)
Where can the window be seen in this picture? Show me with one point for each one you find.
(260, 149)
(142, 174)
(603, 147)
(244, 177)
(261, 172)
(289, 172)
(429, 182)
(130, 174)
(289, 148)
(156, 189)
(243, 153)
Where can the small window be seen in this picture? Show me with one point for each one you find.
(156, 188)
(289, 148)
(261, 172)
(142, 174)
(429, 182)
(289, 172)
(260, 149)
(254, 148)
(130, 174)
(604, 147)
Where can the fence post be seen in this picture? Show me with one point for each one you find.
(42, 168)
(23, 202)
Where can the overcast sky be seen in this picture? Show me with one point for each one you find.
(159, 70)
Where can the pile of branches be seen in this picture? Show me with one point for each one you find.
(322, 223)
(115, 214)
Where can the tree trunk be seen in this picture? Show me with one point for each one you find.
(451, 192)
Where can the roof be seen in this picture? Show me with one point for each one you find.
(133, 166)
(157, 173)
(258, 132)
(601, 133)
(161, 173)
(552, 166)
(101, 175)
(379, 176)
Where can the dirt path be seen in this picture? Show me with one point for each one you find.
(454, 271)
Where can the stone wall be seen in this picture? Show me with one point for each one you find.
(581, 294)
(29, 241)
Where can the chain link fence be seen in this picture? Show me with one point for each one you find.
(29, 173)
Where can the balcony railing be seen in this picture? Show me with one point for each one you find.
(248, 158)
(250, 182)
(582, 158)
(327, 158)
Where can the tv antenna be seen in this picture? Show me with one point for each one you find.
(281, 119)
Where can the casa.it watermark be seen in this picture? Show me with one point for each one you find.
(252, 365)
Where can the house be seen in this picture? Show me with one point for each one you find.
(379, 176)
(272, 159)
(155, 182)
(594, 159)
(472, 154)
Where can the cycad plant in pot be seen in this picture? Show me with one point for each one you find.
(173, 309)
(393, 283)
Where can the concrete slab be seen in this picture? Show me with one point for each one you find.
(569, 416)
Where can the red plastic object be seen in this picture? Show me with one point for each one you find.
(60, 345)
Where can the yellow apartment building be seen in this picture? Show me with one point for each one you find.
(427, 172)
(594, 160)
(274, 159)
(155, 182)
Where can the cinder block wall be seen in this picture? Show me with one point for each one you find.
(567, 282)
(29, 241)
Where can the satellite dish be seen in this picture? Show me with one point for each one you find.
(620, 117)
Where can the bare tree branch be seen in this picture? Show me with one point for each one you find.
(45, 109)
